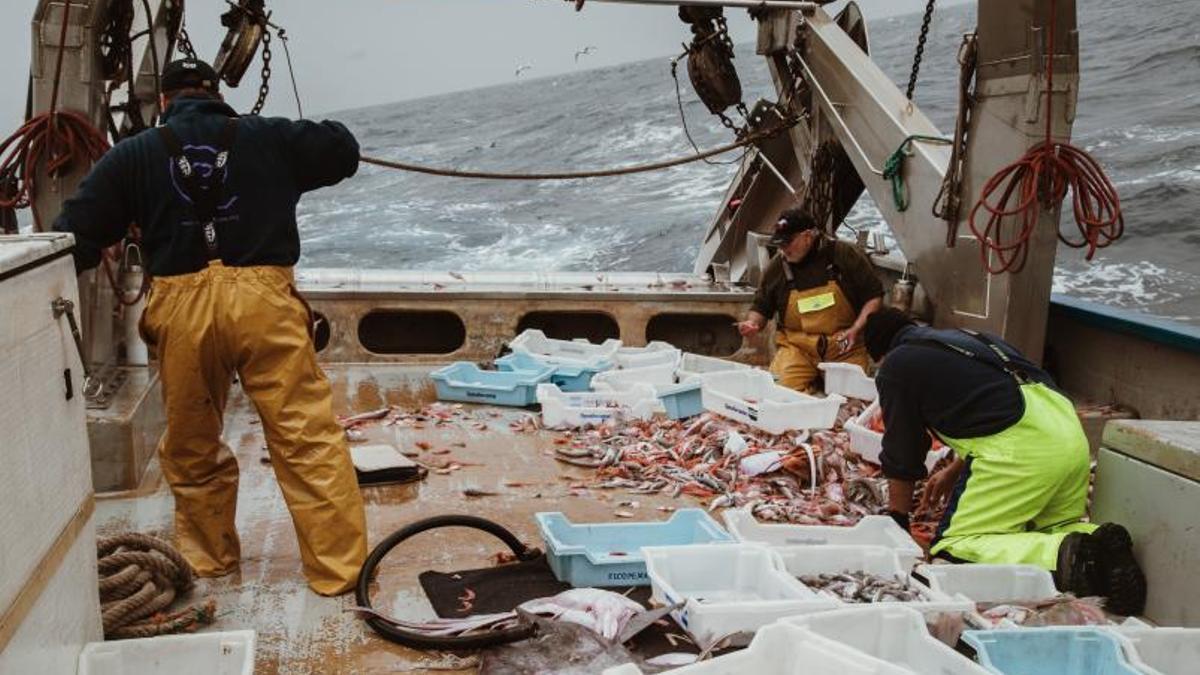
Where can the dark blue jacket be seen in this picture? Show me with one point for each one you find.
(272, 162)
(925, 387)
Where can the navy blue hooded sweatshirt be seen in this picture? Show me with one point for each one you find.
(272, 162)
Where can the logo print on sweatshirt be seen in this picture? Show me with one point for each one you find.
(203, 159)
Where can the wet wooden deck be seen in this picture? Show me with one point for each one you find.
(301, 632)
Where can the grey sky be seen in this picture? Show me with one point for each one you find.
(354, 53)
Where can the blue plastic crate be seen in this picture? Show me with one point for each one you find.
(610, 554)
(1049, 651)
(682, 400)
(568, 378)
(465, 381)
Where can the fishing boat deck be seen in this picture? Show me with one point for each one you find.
(301, 632)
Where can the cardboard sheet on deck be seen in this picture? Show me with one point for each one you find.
(383, 464)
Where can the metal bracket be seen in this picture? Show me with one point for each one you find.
(106, 384)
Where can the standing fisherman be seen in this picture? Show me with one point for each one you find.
(1018, 484)
(215, 196)
(821, 291)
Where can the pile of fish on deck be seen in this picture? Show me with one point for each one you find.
(656, 420)
(797, 478)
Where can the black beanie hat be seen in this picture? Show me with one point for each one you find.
(881, 329)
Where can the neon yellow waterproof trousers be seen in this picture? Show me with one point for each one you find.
(1025, 490)
(205, 327)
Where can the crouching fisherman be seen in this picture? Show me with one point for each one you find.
(1018, 484)
(820, 291)
(215, 196)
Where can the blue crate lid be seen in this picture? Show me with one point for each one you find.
(467, 374)
(524, 361)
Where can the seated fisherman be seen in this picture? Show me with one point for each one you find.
(1018, 484)
(820, 291)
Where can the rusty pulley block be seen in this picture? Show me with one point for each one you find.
(246, 24)
(710, 59)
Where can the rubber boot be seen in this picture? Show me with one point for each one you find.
(1078, 569)
(1121, 578)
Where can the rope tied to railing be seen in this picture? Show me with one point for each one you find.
(893, 167)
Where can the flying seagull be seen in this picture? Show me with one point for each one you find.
(584, 52)
(523, 68)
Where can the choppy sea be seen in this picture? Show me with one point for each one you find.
(1138, 113)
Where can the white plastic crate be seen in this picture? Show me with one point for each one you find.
(990, 583)
(752, 397)
(849, 380)
(655, 353)
(562, 410)
(565, 352)
(222, 653)
(1162, 651)
(727, 589)
(870, 531)
(619, 380)
(693, 365)
(785, 649)
(891, 633)
(868, 444)
(879, 561)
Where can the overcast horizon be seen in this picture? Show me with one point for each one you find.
(331, 45)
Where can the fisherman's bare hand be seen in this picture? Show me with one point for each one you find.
(749, 328)
(845, 341)
(938, 488)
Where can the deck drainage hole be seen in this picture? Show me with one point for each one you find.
(593, 326)
(412, 332)
(707, 334)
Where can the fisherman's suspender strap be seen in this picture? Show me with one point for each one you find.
(205, 193)
(1006, 363)
(832, 271)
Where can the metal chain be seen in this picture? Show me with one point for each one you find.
(185, 43)
(115, 50)
(264, 87)
(683, 118)
(175, 21)
(916, 66)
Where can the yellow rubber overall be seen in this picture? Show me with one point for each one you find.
(812, 315)
(1027, 487)
(205, 327)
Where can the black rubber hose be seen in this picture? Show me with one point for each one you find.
(407, 638)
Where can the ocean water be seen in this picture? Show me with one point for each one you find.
(1138, 113)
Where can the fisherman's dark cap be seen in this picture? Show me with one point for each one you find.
(189, 74)
(791, 222)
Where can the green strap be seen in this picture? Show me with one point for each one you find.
(893, 167)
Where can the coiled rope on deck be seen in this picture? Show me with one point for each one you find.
(749, 139)
(140, 576)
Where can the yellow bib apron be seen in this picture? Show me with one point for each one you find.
(805, 337)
